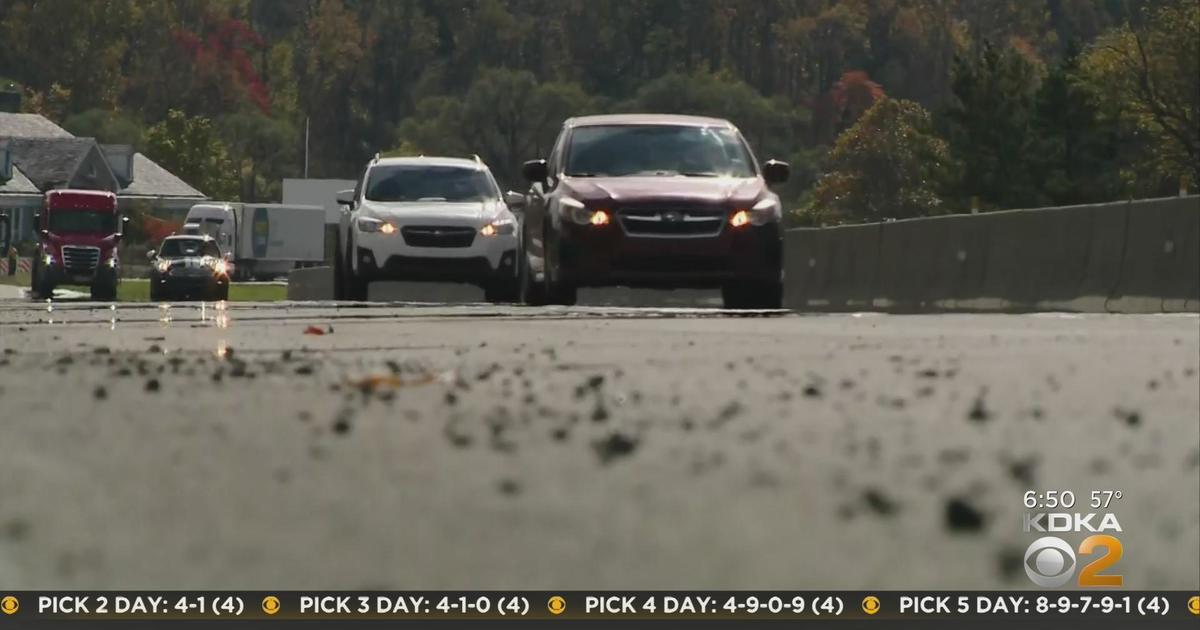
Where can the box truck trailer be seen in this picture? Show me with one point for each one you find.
(263, 240)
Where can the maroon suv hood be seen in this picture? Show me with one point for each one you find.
(650, 189)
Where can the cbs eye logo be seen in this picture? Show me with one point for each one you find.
(1050, 562)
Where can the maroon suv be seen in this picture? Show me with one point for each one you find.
(646, 200)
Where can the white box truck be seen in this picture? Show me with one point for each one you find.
(264, 240)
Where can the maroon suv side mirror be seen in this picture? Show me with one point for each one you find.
(776, 172)
(535, 171)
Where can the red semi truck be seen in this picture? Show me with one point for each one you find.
(78, 232)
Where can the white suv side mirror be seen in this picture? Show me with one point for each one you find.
(514, 200)
(345, 197)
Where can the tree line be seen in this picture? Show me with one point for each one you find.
(885, 108)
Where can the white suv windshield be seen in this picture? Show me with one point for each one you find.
(429, 183)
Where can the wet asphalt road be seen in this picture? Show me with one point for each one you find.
(506, 447)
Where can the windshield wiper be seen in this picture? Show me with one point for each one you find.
(700, 174)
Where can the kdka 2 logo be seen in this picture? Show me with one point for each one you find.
(1050, 562)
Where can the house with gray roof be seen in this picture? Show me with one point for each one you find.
(37, 155)
(30, 126)
(52, 163)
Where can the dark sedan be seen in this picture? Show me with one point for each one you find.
(653, 201)
(188, 267)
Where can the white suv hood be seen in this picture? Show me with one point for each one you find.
(425, 212)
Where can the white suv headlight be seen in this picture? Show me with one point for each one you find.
(502, 226)
(372, 225)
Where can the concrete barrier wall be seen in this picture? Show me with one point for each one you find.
(1127, 257)
(929, 264)
(1160, 268)
(1136, 257)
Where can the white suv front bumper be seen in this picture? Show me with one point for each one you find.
(435, 250)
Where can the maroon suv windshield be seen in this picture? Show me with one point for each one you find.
(82, 222)
(657, 151)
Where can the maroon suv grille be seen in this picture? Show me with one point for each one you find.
(668, 220)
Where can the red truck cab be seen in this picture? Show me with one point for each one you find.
(78, 232)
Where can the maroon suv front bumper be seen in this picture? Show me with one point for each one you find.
(608, 255)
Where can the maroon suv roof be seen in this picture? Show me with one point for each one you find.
(647, 119)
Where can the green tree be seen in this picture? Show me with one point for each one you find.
(1074, 156)
(506, 117)
(190, 148)
(265, 150)
(430, 76)
(989, 127)
(890, 164)
(107, 127)
(767, 123)
(76, 45)
(1148, 77)
(334, 44)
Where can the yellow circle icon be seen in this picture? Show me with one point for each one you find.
(270, 604)
(1194, 604)
(557, 605)
(9, 605)
(870, 604)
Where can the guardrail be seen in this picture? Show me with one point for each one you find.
(1128, 257)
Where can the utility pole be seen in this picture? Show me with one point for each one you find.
(306, 147)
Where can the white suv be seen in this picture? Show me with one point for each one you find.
(427, 218)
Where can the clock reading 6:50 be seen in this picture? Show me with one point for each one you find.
(1053, 499)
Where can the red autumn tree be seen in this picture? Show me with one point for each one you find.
(224, 74)
(844, 103)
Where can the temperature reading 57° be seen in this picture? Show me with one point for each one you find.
(1102, 498)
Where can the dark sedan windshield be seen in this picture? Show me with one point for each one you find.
(429, 183)
(183, 247)
(657, 151)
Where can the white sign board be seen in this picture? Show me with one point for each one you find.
(316, 192)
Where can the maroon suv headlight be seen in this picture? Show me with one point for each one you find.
(579, 213)
(767, 210)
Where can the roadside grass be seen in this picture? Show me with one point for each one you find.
(138, 289)
(21, 279)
